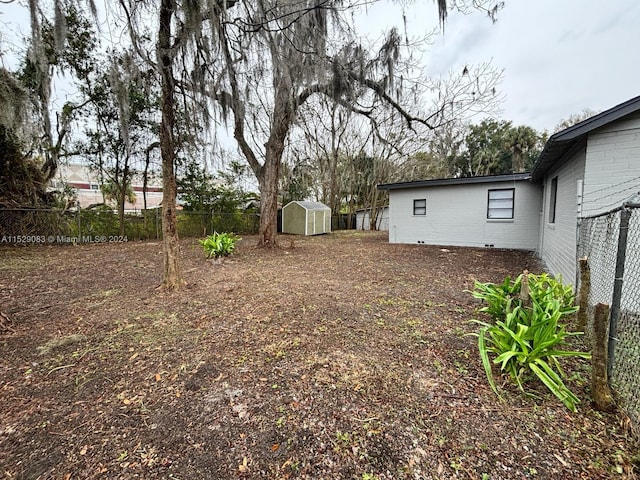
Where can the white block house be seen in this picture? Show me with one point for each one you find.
(363, 219)
(589, 168)
(501, 211)
(87, 182)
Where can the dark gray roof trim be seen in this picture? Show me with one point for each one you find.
(456, 181)
(559, 144)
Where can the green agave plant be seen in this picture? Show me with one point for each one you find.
(527, 337)
(219, 244)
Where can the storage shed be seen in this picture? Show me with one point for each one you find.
(306, 218)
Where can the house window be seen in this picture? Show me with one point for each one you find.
(500, 204)
(553, 194)
(420, 206)
(94, 186)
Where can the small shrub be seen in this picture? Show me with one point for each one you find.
(527, 337)
(219, 244)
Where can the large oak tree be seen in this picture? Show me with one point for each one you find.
(276, 55)
(259, 61)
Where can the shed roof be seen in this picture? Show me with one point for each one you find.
(455, 181)
(310, 205)
(567, 140)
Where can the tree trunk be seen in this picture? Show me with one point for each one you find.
(268, 229)
(351, 197)
(600, 391)
(517, 160)
(122, 195)
(334, 195)
(583, 294)
(375, 209)
(145, 182)
(121, 199)
(171, 277)
(270, 172)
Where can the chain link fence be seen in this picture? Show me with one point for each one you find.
(54, 226)
(50, 226)
(610, 242)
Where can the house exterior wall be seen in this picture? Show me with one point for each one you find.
(86, 183)
(363, 221)
(612, 175)
(457, 215)
(612, 172)
(559, 238)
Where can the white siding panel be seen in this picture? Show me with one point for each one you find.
(363, 220)
(612, 172)
(457, 215)
(558, 240)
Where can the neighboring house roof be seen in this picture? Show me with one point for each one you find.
(80, 175)
(565, 141)
(369, 209)
(455, 181)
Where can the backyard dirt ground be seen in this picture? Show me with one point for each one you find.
(334, 357)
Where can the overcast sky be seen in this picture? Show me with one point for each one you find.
(559, 56)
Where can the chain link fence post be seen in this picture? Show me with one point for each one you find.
(617, 287)
(611, 244)
(79, 220)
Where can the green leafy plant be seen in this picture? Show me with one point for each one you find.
(219, 244)
(527, 337)
(497, 296)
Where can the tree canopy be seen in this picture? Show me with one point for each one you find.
(491, 147)
(252, 66)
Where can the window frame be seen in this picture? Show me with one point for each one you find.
(553, 200)
(513, 203)
(417, 208)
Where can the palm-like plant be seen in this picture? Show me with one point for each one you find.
(527, 336)
(219, 244)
